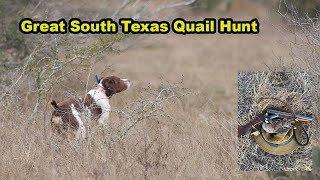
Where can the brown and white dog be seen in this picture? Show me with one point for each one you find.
(94, 106)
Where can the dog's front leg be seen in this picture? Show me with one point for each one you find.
(104, 116)
(105, 111)
(103, 102)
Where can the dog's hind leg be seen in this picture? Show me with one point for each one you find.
(81, 132)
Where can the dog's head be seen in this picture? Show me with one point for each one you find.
(114, 84)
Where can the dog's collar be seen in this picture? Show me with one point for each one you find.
(102, 89)
(105, 91)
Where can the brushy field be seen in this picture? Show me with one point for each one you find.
(195, 136)
(178, 121)
(197, 140)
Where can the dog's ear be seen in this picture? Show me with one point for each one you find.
(108, 83)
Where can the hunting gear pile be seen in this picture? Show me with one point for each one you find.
(277, 132)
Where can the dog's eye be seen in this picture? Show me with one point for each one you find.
(111, 81)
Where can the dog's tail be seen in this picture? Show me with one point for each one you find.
(54, 104)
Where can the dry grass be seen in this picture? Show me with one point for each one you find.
(158, 146)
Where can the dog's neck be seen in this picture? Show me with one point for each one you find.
(100, 87)
(106, 93)
(99, 93)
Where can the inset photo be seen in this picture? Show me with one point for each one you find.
(275, 118)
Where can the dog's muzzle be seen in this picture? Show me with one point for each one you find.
(127, 82)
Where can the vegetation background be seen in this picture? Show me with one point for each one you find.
(178, 120)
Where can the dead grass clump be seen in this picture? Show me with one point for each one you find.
(260, 90)
(155, 133)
